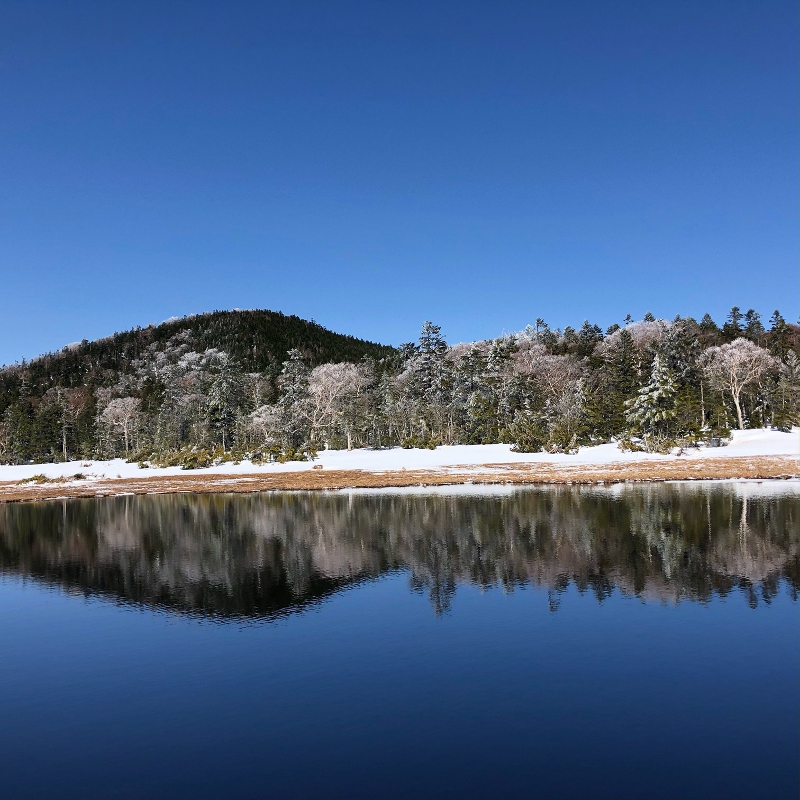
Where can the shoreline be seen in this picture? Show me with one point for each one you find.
(752, 467)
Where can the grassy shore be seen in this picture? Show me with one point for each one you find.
(746, 467)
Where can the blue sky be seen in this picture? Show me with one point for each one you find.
(372, 165)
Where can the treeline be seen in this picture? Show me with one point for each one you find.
(234, 385)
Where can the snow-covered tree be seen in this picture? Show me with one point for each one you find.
(554, 374)
(680, 351)
(565, 417)
(265, 426)
(654, 404)
(785, 398)
(429, 382)
(736, 366)
(225, 397)
(120, 414)
(333, 388)
(293, 400)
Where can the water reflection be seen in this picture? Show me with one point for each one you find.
(267, 555)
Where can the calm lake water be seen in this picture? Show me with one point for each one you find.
(565, 642)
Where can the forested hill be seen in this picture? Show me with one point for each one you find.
(258, 341)
(261, 385)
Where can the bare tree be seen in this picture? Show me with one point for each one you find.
(556, 375)
(735, 366)
(644, 334)
(266, 424)
(333, 387)
(121, 413)
(6, 444)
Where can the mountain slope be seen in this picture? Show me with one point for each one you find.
(257, 340)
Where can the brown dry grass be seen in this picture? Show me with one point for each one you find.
(756, 467)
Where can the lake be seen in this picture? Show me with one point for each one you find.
(636, 641)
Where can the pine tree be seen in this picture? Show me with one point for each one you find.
(527, 433)
(588, 337)
(680, 352)
(428, 364)
(224, 401)
(431, 341)
(654, 405)
(779, 336)
(293, 382)
(432, 381)
(753, 328)
(733, 324)
(617, 383)
(785, 399)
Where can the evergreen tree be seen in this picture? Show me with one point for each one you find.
(753, 329)
(432, 381)
(548, 338)
(785, 397)
(293, 382)
(779, 339)
(709, 331)
(431, 342)
(588, 338)
(225, 396)
(680, 351)
(654, 405)
(527, 433)
(569, 341)
(612, 385)
(733, 324)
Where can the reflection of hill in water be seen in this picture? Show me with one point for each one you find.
(270, 554)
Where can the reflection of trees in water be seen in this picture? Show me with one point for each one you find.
(267, 554)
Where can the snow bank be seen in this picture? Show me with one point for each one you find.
(744, 443)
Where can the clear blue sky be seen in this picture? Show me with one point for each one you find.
(372, 165)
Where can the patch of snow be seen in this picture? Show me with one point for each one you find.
(743, 443)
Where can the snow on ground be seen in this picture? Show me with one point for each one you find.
(744, 443)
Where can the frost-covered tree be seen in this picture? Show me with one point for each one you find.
(265, 426)
(654, 405)
(225, 396)
(553, 374)
(333, 392)
(293, 400)
(566, 419)
(736, 366)
(429, 364)
(429, 381)
(680, 351)
(120, 414)
(785, 399)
